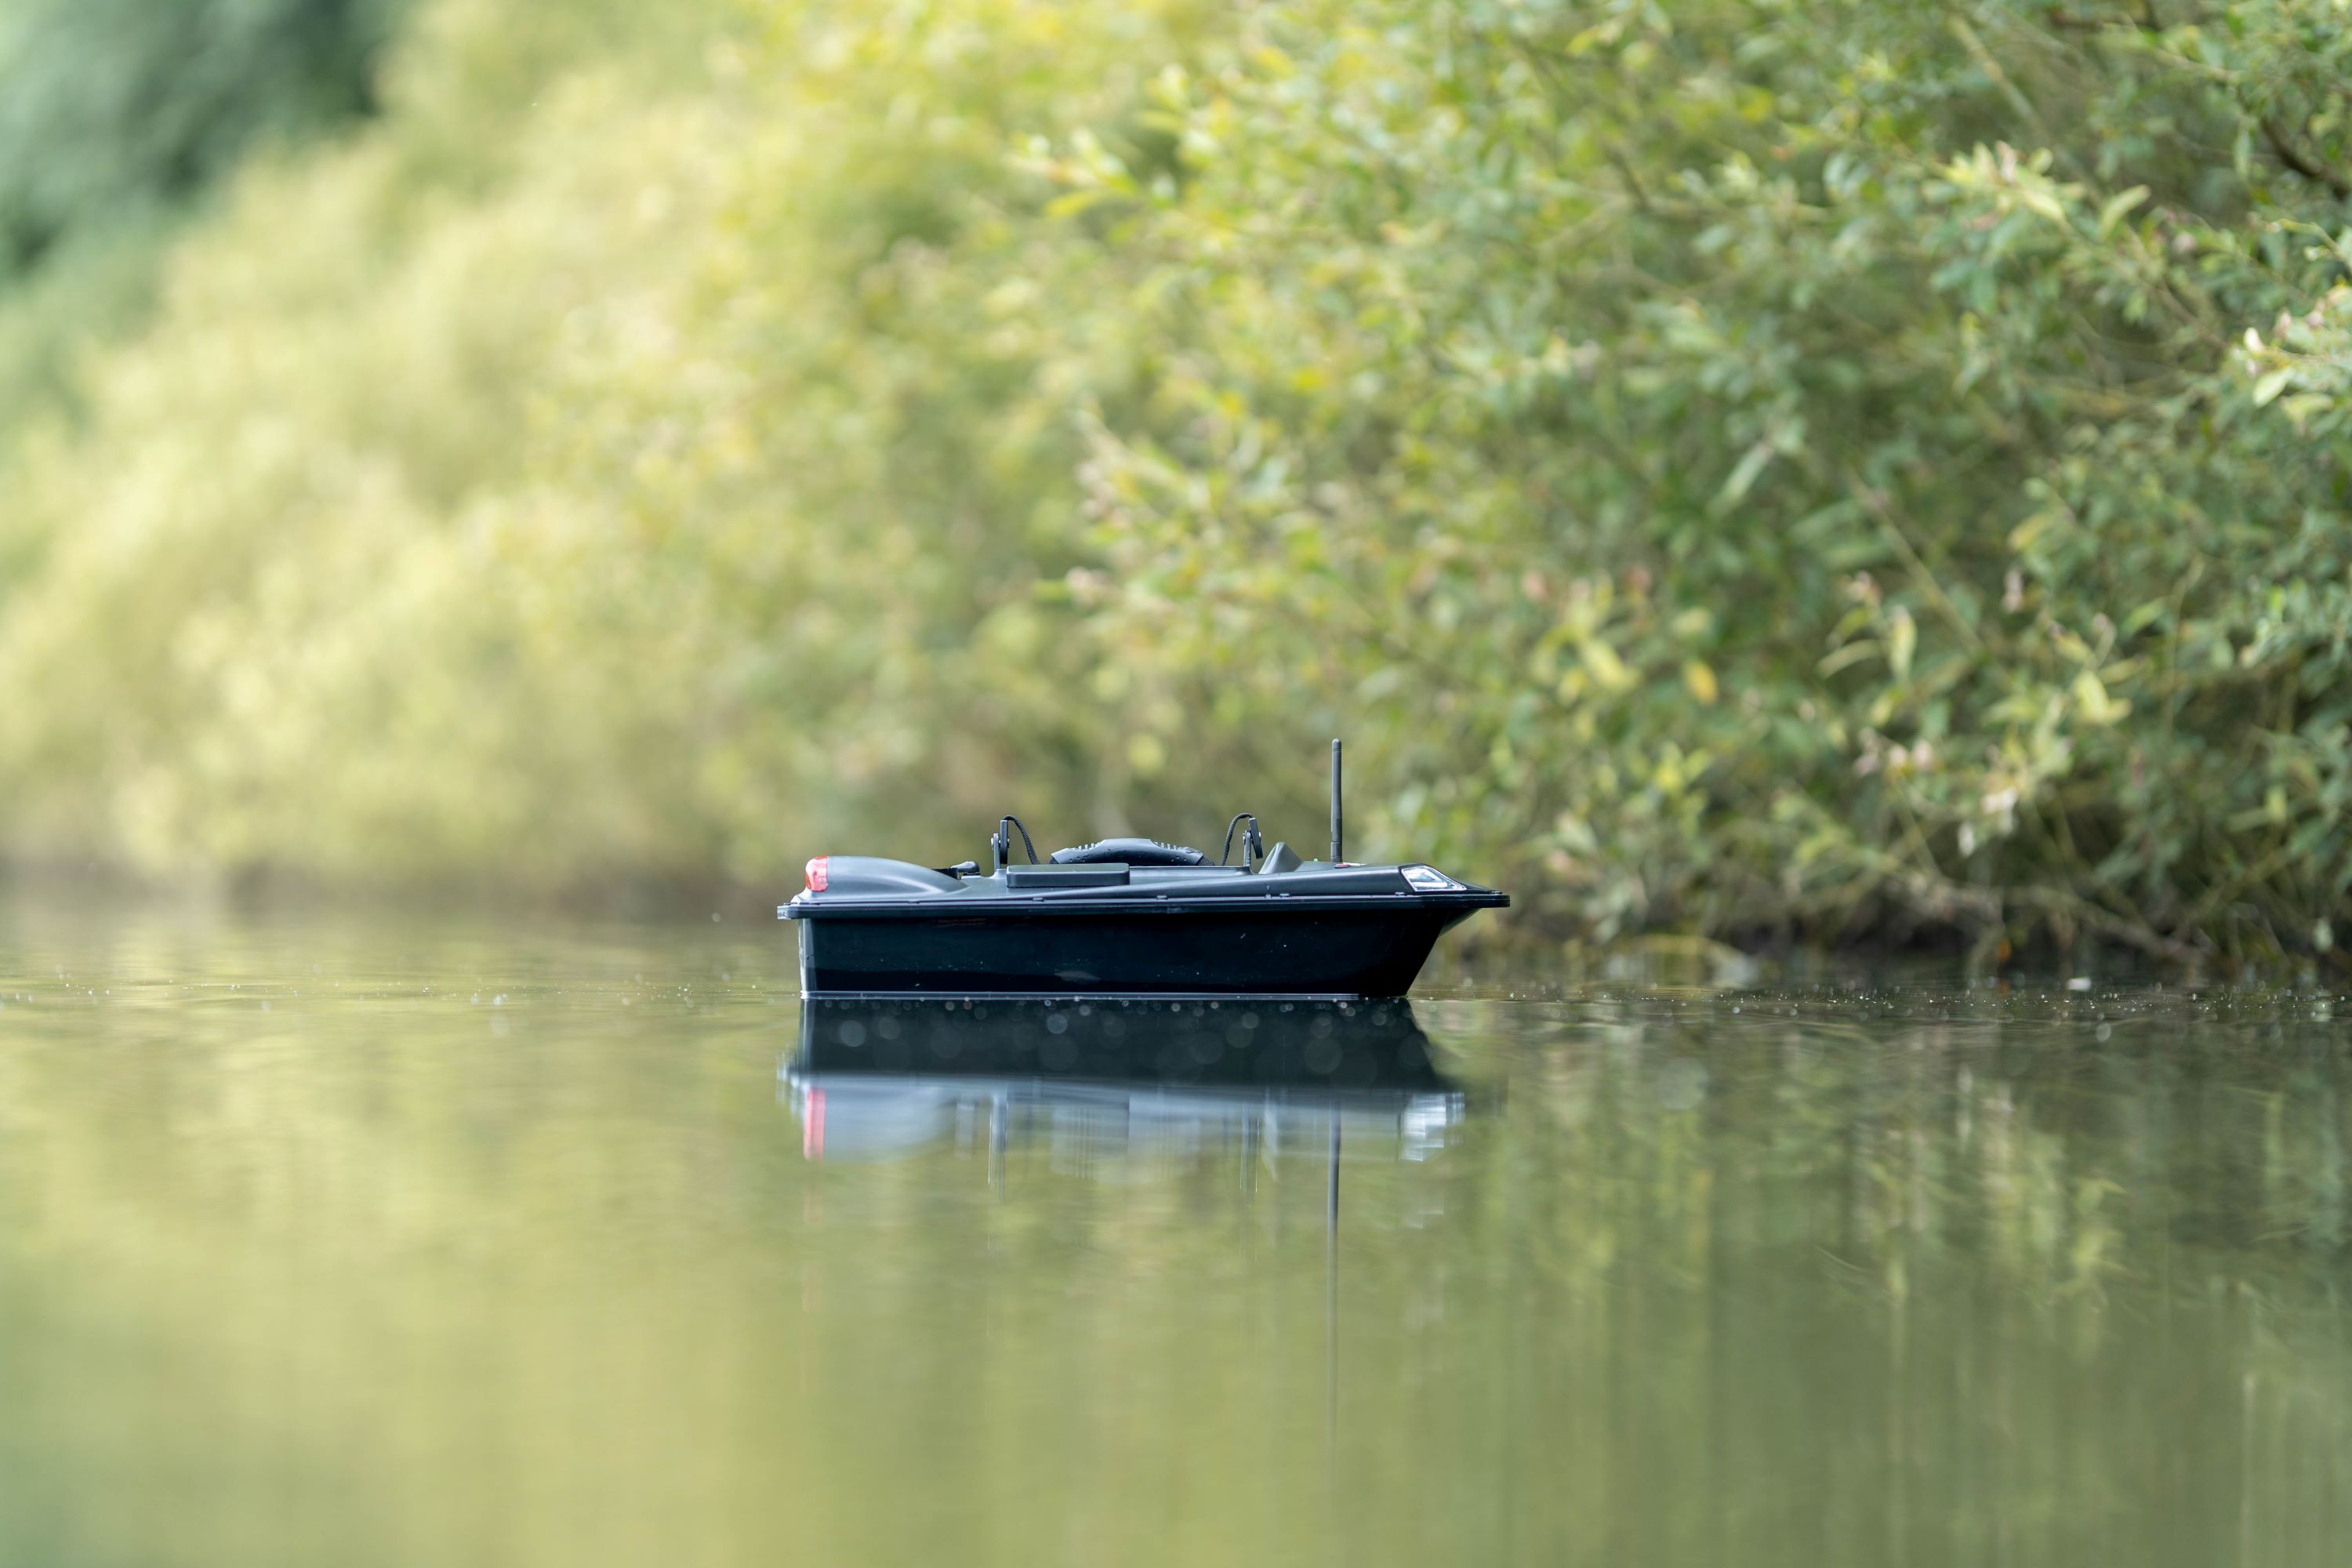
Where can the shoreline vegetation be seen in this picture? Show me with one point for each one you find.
(1738, 472)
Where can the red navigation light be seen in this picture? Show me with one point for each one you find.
(816, 875)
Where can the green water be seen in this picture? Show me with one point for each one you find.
(353, 1243)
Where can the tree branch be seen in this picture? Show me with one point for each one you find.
(2303, 163)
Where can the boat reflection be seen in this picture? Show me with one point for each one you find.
(1109, 1080)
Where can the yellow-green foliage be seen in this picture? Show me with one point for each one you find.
(1753, 465)
(1746, 467)
(602, 467)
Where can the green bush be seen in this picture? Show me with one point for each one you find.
(1752, 466)
(1740, 468)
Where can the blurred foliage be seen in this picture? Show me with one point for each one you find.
(106, 104)
(114, 114)
(1741, 467)
(600, 471)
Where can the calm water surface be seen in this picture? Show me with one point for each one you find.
(350, 1242)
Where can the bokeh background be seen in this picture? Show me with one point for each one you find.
(1845, 471)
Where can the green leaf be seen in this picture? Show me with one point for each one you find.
(2092, 701)
(2112, 210)
(1608, 671)
(1743, 474)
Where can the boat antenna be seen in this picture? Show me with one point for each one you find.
(1335, 802)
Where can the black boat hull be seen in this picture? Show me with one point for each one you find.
(1254, 950)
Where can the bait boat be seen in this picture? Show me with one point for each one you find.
(1126, 917)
